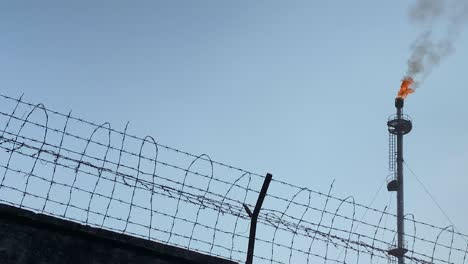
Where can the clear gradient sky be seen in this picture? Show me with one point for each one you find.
(301, 89)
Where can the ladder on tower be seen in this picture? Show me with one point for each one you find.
(392, 183)
(391, 152)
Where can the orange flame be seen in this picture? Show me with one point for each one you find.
(405, 88)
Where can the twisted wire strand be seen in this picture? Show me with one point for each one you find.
(20, 101)
(273, 196)
(213, 204)
(292, 202)
(115, 175)
(100, 169)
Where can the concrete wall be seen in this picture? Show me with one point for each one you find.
(26, 237)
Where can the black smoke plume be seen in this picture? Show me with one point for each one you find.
(428, 50)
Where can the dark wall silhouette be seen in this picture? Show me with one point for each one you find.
(26, 237)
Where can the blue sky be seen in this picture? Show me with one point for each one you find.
(301, 89)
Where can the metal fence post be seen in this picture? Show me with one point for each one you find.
(254, 217)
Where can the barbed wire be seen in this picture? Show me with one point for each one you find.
(135, 185)
(296, 188)
(335, 214)
(147, 183)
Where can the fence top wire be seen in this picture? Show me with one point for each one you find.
(68, 167)
(194, 156)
